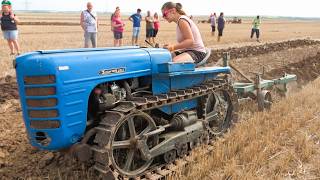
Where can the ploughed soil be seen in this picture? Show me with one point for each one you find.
(19, 160)
(8, 89)
(306, 70)
(249, 51)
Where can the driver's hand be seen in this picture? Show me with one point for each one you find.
(169, 47)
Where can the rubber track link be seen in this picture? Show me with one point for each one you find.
(156, 171)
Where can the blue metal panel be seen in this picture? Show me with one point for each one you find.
(166, 82)
(86, 49)
(158, 56)
(175, 67)
(77, 73)
(203, 70)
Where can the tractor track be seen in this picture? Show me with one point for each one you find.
(113, 117)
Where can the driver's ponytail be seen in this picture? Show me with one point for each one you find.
(177, 6)
(179, 9)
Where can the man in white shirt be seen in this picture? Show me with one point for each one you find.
(89, 24)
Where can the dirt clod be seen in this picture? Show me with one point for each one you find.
(46, 159)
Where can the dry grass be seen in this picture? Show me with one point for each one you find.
(280, 144)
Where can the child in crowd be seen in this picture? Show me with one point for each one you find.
(9, 28)
(8, 3)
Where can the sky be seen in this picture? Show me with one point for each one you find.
(294, 8)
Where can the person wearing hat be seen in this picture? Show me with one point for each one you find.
(89, 24)
(9, 28)
(5, 2)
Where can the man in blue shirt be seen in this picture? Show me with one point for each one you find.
(136, 19)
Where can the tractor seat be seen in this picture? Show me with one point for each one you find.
(204, 60)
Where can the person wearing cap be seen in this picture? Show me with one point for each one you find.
(8, 3)
(136, 21)
(9, 28)
(89, 24)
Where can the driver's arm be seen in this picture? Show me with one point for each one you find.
(186, 34)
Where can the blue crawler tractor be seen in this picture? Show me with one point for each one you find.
(125, 109)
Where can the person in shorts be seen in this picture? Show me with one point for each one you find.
(256, 28)
(156, 25)
(9, 29)
(149, 27)
(190, 47)
(221, 24)
(118, 28)
(136, 20)
(89, 24)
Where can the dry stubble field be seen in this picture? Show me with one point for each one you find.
(283, 143)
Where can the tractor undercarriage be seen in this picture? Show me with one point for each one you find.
(133, 141)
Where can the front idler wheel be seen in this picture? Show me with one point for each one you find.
(126, 154)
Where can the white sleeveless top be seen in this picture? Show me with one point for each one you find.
(197, 40)
(89, 21)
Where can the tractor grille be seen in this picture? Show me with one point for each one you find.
(41, 101)
(30, 80)
(44, 124)
(40, 91)
(43, 113)
(50, 102)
